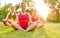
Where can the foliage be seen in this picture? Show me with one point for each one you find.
(17, 6)
(4, 11)
(27, 2)
(55, 4)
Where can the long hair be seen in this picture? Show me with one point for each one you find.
(14, 10)
(33, 11)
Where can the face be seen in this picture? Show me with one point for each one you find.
(12, 9)
(23, 6)
(34, 12)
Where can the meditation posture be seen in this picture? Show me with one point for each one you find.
(23, 21)
(36, 18)
(10, 16)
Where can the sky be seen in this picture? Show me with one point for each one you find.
(14, 2)
(40, 6)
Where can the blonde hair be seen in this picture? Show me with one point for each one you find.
(14, 10)
(33, 10)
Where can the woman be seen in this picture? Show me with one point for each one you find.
(23, 20)
(36, 18)
(10, 16)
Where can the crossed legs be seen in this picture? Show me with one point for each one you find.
(30, 27)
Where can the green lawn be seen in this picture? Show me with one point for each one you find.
(50, 30)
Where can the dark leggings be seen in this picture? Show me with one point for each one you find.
(25, 27)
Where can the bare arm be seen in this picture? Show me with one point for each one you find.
(17, 17)
(38, 18)
(7, 15)
(30, 21)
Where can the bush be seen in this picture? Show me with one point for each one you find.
(4, 11)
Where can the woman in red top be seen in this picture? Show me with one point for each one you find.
(23, 20)
(36, 18)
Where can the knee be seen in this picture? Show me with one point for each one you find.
(40, 24)
(34, 23)
(4, 21)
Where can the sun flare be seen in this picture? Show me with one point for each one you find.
(41, 8)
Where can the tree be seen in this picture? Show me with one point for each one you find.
(4, 11)
(52, 17)
(17, 6)
(29, 5)
(27, 2)
(55, 4)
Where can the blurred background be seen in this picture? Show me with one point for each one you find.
(49, 10)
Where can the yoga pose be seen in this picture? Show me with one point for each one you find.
(36, 18)
(23, 21)
(10, 16)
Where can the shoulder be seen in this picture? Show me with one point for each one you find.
(8, 13)
(28, 13)
(38, 15)
(17, 14)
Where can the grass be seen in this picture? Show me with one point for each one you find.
(50, 30)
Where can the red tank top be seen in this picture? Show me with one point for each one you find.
(23, 19)
(34, 18)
